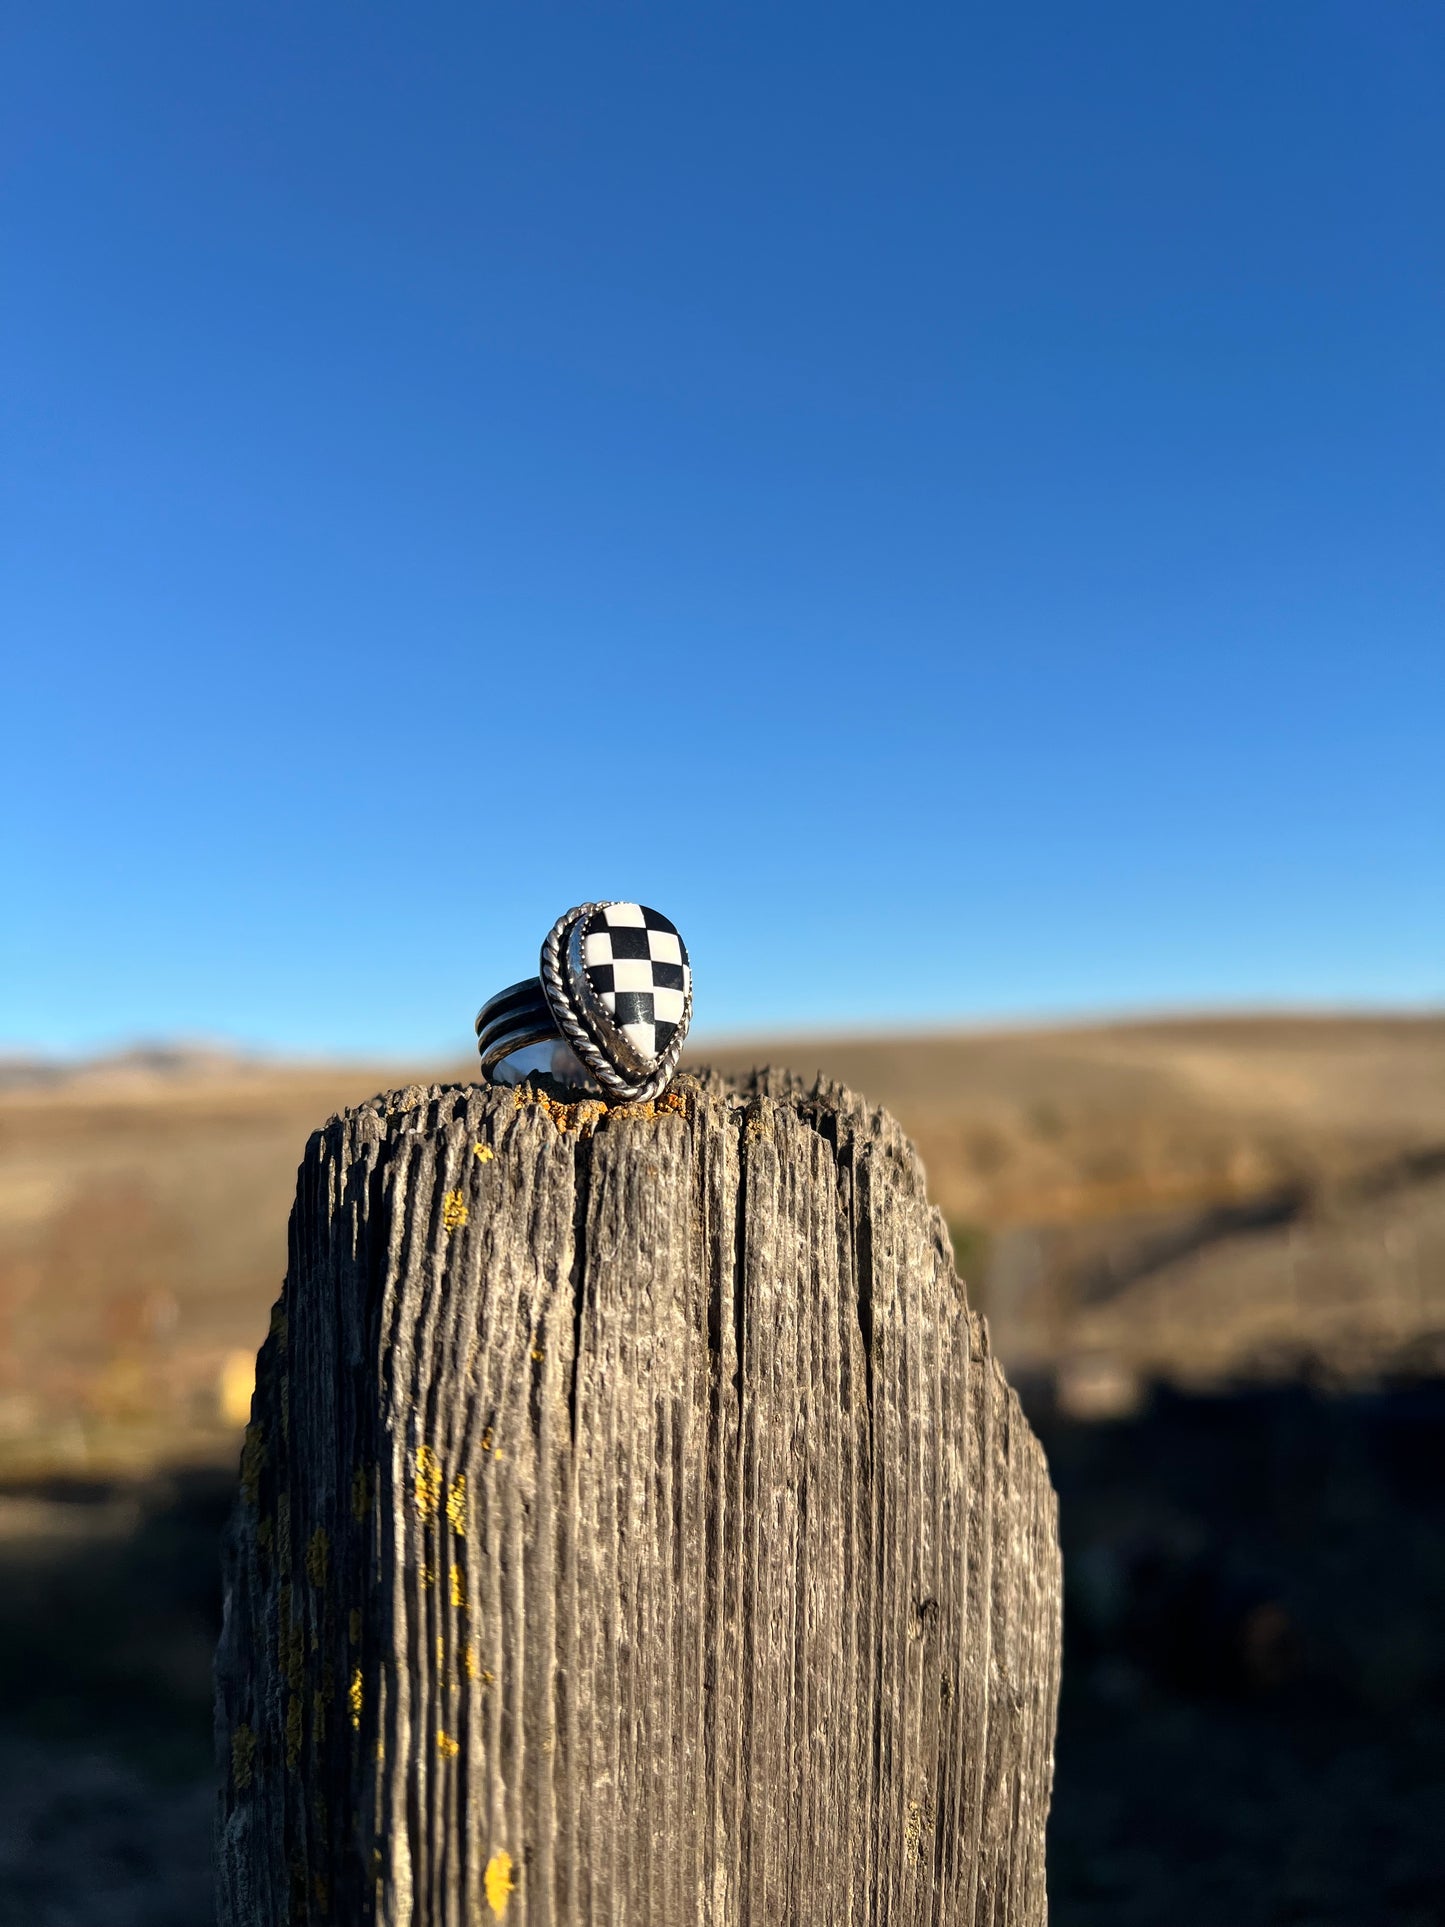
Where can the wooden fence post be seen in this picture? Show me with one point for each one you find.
(634, 1528)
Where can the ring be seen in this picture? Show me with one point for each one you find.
(611, 1003)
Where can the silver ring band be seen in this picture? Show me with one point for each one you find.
(512, 1020)
(612, 1000)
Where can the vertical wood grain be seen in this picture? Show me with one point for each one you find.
(635, 1529)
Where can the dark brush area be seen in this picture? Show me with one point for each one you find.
(1252, 1726)
(1253, 1718)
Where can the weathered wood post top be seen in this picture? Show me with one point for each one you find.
(635, 1528)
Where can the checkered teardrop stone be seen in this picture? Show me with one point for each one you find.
(636, 967)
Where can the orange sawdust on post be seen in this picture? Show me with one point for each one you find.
(587, 1112)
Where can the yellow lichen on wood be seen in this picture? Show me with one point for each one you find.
(253, 1460)
(469, 1660)
(917, 1825)
(446, 1745)
(290, 1646)
(354, 1700)
(459, 1590)
(428, 1483)
(483, 1153)
(457, 1505)
(293, 1729)
(243, 1756)
(454, 1211)
(499, 1882)
(317, 1553)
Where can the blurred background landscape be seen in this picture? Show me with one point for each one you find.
(943, 502)
(1212, 1255)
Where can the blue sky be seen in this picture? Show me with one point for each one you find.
(946, 502)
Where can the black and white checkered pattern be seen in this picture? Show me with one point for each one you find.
(637, 966)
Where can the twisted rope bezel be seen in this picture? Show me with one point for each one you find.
(559, 997)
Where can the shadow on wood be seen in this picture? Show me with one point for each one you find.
(634, 1528)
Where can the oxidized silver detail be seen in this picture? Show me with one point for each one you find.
(514, 1018)
(601, 1043)
(615, 983)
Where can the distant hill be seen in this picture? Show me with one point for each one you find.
(1198, 1199)
(140, 1064)
(1202, 1198)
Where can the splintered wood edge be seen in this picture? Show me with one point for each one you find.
(812, 1098)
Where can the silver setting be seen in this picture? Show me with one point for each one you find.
(586, 1024)
(554, 1059)
(517, 1035)
(562, 1007)
(516, 1017)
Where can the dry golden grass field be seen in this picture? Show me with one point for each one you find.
(1200, 1202)
(1191, 1201)
(1212, 1254)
